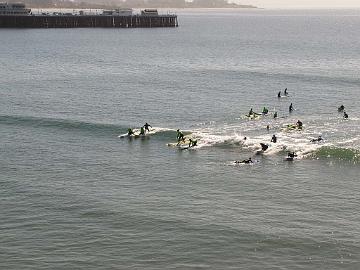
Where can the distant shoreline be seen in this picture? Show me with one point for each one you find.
(67, 5)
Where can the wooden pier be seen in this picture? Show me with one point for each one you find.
(87, 21)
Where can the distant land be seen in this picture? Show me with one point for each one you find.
(109, 4)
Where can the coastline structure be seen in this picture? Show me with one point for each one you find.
(18, 16)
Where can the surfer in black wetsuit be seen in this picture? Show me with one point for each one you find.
(341, 108)
(192, 143)
(291, 108)
(279, 94)
(273, 139)
(318, 139)
(275, 115)
(251, 112)
(264, 147)
(346, 116)
(285, 92)
(299, 124)
(146, 126)
(245, 161)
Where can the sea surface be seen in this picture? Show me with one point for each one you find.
(73, 195)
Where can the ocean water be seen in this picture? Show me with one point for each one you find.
(73, 195)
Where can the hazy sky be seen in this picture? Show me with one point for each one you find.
(301, 3)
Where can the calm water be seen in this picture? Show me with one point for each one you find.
(75, 196)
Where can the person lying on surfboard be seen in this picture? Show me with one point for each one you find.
(318, 139)
(245, 161)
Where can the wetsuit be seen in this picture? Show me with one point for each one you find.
(192, 143)
(142, 131)
(130, 132)
(346, 116)
(279, 94)
(274, 139)
(264, 147)
(291, 108)
(275, 115)
(146, 126)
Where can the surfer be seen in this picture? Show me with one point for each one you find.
(275, 115)
(299, 124)
(346, 116)
(146, 126)
(285, 92)
(264, 147)
(130, 132)
(251, 112)
(318, 139)
(279, 94)
(192, 143)
(142, 131)
(291, 108)
(179, 136)
(273, 139)
(245, 161)
(341, 108)
(291, 156)
(265, 111)
(267, 127)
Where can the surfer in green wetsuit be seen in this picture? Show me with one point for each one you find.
(265, 111)
(130, 132)
(142, 131)
(179, 136)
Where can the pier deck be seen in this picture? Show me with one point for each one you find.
(86, 21)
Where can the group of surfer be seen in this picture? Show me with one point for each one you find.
(285, 93)
(298, 125)
(181, 139)
(143, 129)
